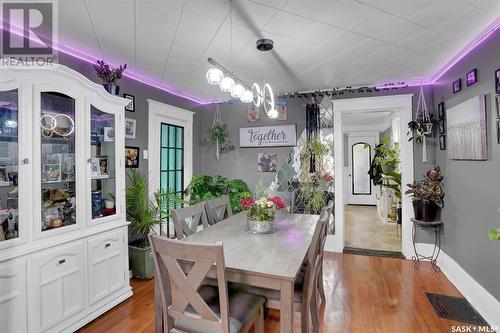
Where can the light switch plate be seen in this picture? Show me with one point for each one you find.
(145, 154)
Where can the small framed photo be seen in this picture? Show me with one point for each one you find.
(267, 162)
(131, 106)
(441, 114)
(130, 128)
(497, 80)
(4, 177)
(51, 173)
(457, 85)
(471, 77)
(131, 157)
(442, 128)
(442, 142)
(103, 166)
(498, 131)
(497, 103)
(253, 114)
(95, 170)
(109, 134)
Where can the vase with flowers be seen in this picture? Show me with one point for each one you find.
(261, 213)
(109, 76)
(427, 196)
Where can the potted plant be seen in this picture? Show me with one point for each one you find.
(427, 196)
(220, 138)
(387, 155)
(144, 213)
(204, 187)
(109, 76)
(494, 234)
(261, 213)
(420, 128)
(393, 181)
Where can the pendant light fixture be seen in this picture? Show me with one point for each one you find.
(214, 76)
(247, 96)
(226, 84)
(237, 90)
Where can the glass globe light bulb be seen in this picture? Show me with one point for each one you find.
(247, 96)
(237, 90)
(214, 76)
(226, 84)
(273, 113)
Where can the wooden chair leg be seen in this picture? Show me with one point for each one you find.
(259, 324)
(320, 285)
(314, 312)
(304, 317)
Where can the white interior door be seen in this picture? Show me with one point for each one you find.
(361, 151)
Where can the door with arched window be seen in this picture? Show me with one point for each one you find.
(361, 150)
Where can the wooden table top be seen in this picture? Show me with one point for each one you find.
(279, 254)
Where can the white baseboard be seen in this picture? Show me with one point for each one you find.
(487, 305)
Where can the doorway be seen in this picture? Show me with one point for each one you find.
(170, 155)
(398, 104)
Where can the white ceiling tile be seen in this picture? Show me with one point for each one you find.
(488, 6)
(215, 9)
(400, 32)
(195, 32)
(401, 8)
(317, 32)
(368, 47)
(286, 24)
(439, 12)
(375, 23)
(172, 4)
(310, 9)
(112, 18)
(423, 40)
(344, 13)
(251, 14)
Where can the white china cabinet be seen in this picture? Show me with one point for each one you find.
(63, 233)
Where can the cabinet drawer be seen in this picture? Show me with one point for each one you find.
(106, 265)
(58, 280)
(13, 296)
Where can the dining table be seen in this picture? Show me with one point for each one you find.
(270, 261)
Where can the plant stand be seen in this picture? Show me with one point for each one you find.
(437, 244)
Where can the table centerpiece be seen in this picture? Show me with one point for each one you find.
(261, 213)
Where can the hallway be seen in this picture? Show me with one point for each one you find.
(364, 229)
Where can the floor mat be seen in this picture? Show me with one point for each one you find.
(455, 308)
(374, 253)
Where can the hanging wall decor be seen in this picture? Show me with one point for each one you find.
(497, 80)
(421, 127)
(471, 77)
(219, 135)
(457, 85)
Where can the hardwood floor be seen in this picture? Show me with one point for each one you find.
(364, 294)
(364, 229)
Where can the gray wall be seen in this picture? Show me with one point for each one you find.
(242, 163)
(473, 187)
(142, 92)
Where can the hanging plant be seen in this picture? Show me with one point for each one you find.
(420, 128)
(220, 137)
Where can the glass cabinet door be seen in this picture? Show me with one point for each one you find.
(9, 151)
(58, 177)
(102, 163)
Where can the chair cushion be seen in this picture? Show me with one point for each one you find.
(242, 307)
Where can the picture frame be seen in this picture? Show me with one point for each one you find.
(132, 157)
(498, 131)
(471, 77)
(267, 162)
(442, 126)
(51, 173)
(4, 177)
(253, 114)
(442, 142)
(103, 166)
(109, 134)
(130, 128)
(441, 113)
(497, 81)
(95, 170)
(130, 107)
(282, 108)
(497, 103)
(457, 85)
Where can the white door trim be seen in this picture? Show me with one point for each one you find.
(164, 113)
(397, 103)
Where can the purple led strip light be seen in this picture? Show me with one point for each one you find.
(130, 74)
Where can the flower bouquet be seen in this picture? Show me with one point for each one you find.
(261, 213)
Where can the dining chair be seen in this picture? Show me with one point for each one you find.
(306, 285)
(218, 209)
(194, 307)
(329, 208)
(187, 219)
